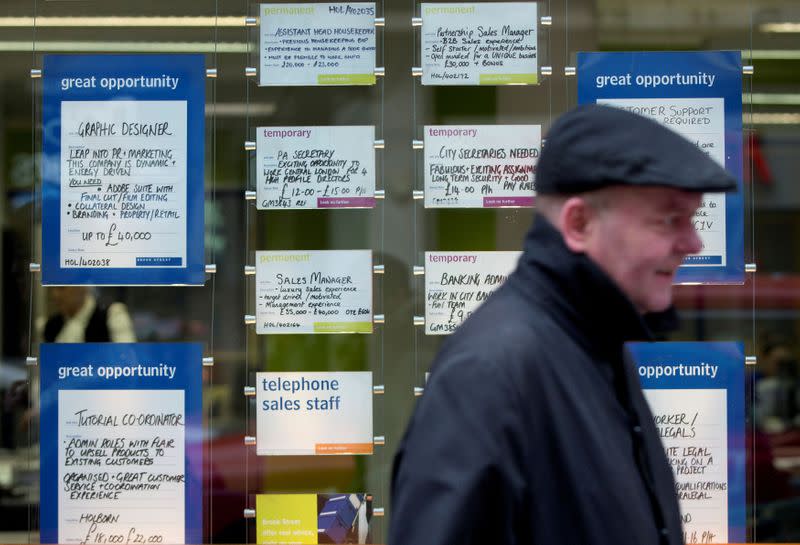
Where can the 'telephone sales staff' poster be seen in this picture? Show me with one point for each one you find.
(123, 169)
(698, 95)
(314, 413)
(121, 441)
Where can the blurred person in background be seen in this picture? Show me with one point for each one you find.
(80, 318)
(777, 387)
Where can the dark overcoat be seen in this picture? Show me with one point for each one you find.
(533, 428)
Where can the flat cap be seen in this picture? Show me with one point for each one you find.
(595, 146)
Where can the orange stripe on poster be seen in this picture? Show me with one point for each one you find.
(343, 448)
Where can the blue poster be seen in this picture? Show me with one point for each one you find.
(699, 95)
(121, 443)
(122, 169)
(696, 393)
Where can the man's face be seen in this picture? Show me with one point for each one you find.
(640, 237)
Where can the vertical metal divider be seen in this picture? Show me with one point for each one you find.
(753, 277)
(382, 253)
(550, 82)
(32, 370)
(416, 34)
(248, 282)
(566, 49)
(210, 430)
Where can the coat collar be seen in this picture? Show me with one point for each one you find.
(581, 295)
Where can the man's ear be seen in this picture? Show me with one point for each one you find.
(575, 223)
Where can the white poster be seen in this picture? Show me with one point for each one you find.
(479, 43)
(701, 120)
(480, 166)
(324, 291)
(318, 44)
(121, 466)
(123, 184)
(693, 428)
(456, 283)
(316, 167)
(314, 413)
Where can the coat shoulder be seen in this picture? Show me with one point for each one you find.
(505, 335)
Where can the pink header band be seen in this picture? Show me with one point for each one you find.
(500, 202)
(346, 202)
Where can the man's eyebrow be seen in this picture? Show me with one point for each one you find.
(677, 205)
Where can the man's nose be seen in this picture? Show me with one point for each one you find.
(690, 242)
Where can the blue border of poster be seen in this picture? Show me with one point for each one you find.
(187, 359)
(726, 66)
(190, 88)
(729, 359)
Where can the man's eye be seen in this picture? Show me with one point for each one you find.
(674, 220)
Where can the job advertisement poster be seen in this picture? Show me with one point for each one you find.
(481, 166)
(479, 43)
(123, 169)
(315, 167)
(314, 413)
(318, 44)
(322, 291)
(121, 443)
(696, 394)
(313, 518)
(698, 95)
(456, 283)
(123, 203)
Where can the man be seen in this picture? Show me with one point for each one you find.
(533, 428)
